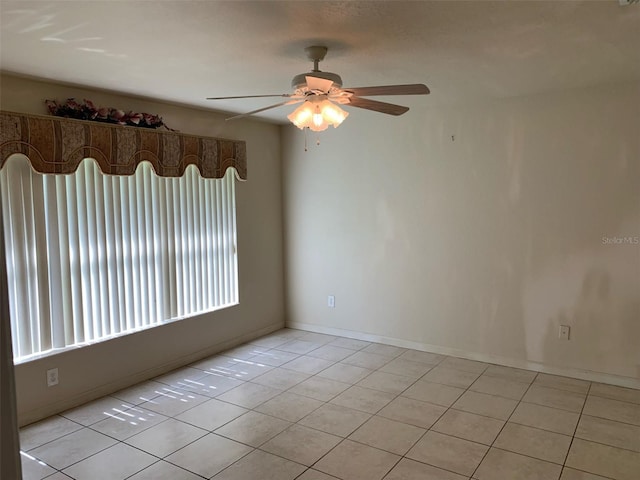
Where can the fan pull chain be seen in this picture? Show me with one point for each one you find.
(306, 130)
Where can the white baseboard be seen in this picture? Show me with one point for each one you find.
(25, 418)
(589, 375)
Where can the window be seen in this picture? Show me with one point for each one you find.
(90, 256)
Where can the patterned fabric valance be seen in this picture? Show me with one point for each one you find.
(58, 145)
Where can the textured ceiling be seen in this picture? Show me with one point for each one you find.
(184, 51)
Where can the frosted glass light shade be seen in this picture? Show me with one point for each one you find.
(317, 116)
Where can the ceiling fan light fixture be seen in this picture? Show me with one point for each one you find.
(317, 116)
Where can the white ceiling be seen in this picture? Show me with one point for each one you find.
(184, 51)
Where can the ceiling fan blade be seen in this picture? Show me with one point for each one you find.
(412, 89)
(289, 102)
(250, 96)
(315, 83)
(382, 107)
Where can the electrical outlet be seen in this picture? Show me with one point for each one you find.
(563, 332)
(52, 377)
(331, 301)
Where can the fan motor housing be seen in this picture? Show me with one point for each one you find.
(300, 81)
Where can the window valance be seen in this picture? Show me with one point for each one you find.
(58, 145)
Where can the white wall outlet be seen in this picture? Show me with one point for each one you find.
(52, 377)
(563, 332)
(331, 301)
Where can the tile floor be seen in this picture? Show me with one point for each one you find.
(306, 406)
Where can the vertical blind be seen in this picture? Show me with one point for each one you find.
(90, 255)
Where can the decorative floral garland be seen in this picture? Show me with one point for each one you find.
(88, 111)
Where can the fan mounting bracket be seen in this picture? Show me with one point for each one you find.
(316, 53)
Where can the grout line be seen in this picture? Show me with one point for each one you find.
(500, 432)
(575, 430)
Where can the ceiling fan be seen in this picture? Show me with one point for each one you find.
(321, 92)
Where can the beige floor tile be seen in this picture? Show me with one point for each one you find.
(253, 428)
(249, 395)
(126, 423)
(464, 364)
(270, 341)
(469, 426)
(244, 352)
(406, 368)
(571, 474)
(355, 461)
(34, 469)
(210, 384)
(312, 474)
(289, 406)
(363, 359)
(345, 373)
(612, 410)
(436, 393)
(196, 457)
(57, 476)
(510, 373)
(350, 343)
(115, 463)
(290, 376)
(166, 438)
(335, 419)
(321, 338)
(552, 397)
(289, 333)
(200, 382)
(611, 433)
(363, 399)
(450, 376)
(217, 364)
(39, 433)
(211, 414)
(280, 378)
(533, 442)
(274, 358)
(427, 358)
(320, 388)
(301, 347)
(97, 410)
(261, 465)
(386, 382)
(562, 383)
(173, 401)
(503, 465)
(139, 393)
(413, 412)
(407, 469)
(388, 435)
(604, 460)
(177, 378)
(72, 448)
(546, 418)
(246, 370)
(386, 350)
(308, 365)
(331, 353)
(616, 393)
(483, 404)
(301, 444)
(450, 453)
(499, 386)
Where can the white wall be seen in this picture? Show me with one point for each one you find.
(92, 371)
(480, 244)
